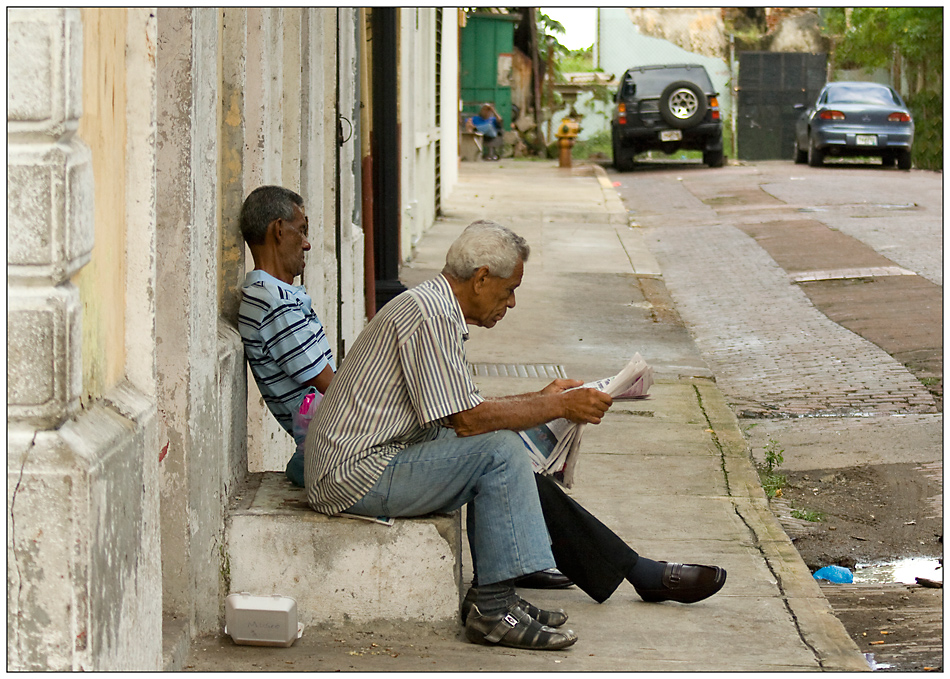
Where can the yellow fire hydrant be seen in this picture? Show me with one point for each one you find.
(566, 134)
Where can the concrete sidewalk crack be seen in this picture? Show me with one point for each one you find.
(715, 439)
(757, 543)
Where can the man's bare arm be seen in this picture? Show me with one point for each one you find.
(530, 410)
(321, 381)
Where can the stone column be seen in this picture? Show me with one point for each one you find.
(49, 238)
(82, 574)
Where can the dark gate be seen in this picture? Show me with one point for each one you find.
(770, 84)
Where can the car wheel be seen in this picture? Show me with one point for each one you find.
(816, 157)
(713, 158)
(904, 160)
(623, 158)
(801, 157)
(683, 104)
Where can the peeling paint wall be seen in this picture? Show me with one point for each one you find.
(134, 135)
(697, 30)
(83, 577)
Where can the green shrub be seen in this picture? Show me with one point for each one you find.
(596, 143)
(927, 109)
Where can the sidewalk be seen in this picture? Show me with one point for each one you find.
(670, 474)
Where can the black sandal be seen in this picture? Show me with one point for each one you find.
(552, 618)
(515, 629)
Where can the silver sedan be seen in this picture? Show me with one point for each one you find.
(855, 119)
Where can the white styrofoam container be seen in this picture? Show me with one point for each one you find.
(261, 620)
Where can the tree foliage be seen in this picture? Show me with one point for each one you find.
(907, 41)
(869, 37)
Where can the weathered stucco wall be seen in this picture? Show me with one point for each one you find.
(134, 135)
(83, 577)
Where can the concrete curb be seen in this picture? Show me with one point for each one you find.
(820, 630)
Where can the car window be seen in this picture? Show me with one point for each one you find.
(861, 94)
(628, 89)
(652, 82)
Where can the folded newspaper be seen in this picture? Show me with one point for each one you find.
(553, 447)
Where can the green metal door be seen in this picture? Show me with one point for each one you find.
(486, 47)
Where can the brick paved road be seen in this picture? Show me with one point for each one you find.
(773, 352)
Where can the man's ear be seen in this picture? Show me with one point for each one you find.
(276, 230)
(478, 280)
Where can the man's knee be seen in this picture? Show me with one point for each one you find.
(507, 445)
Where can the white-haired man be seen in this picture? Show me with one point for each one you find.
(403, 431)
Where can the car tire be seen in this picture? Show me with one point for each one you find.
(816, 157)
(623, 158)
(904, 160)
(683, 104)
(713, 158)
(888, 160)
(800, 157)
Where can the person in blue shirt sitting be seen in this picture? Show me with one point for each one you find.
(488, 123)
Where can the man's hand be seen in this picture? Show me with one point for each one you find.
(558, 386)
(561, 398)
(585, 405)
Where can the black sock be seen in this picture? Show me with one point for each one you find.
(494, 599)
(647, 574)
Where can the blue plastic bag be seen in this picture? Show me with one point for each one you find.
(837, 574)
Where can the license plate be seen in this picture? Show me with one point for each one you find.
(671, 135)
(866, 140)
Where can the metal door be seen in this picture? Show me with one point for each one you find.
(770, 84)
(485, 50)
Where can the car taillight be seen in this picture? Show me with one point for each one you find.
(714, 107)
(899, 117)
(622, 110)
(831, 115)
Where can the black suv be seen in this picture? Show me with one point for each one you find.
(666, 108)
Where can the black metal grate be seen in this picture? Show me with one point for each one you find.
(770, 84)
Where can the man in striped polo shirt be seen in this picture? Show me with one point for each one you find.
(403, 431)
(284, 340)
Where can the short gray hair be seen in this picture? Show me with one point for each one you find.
(263, 206)
(485, 243)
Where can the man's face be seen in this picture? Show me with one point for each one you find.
(295, 242)
(494, 296)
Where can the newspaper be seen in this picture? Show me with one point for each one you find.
(553, 447)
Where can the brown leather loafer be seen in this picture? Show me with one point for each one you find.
(552, 578)
(686, 583)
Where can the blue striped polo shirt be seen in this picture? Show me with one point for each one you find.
(405, 375)
(284, 342)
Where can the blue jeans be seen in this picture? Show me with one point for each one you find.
(491, 470)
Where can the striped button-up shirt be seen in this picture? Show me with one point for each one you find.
(404, 376)
(284, 342)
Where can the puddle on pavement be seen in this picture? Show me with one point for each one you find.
(904, 571)
(874, 665)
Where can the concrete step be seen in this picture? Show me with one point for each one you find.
(342, 570)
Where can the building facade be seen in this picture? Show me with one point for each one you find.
(134, 135)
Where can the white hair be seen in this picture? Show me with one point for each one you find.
(485, 243)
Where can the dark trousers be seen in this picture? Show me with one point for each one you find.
(585, 550)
